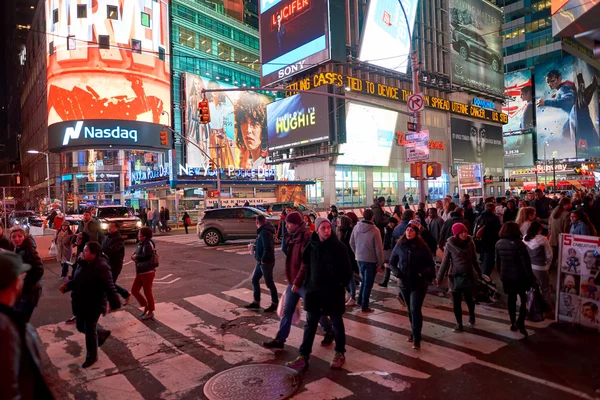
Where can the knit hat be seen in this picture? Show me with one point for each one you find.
(414, 225)
(294, 218)
(319, 221)
(458, 228)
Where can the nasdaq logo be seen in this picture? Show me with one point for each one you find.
(72, 133)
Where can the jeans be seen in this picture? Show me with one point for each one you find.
(352, 288)
(414, 302)
(65, 270)
(154, 225)
(457, 300)
(368, 271)
(265, 270)
(488, 262)
(144, 281)
(122, 291)
(512, 308)
(543, 278)
(88, 325)
(310, 330)
(291, 299)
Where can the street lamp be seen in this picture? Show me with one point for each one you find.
(546, 144)
(47, 168)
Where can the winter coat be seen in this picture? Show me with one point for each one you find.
(167, 214)
(513, 263)
(264, 247)
(22, 370)
(388, 243)
(366, 243)
(63, 240)
(559, 225)
(413, 262)
(542, 207)
(579, 228)
(155, 215)
(429, 240)
(295, 269)
(447, 229)
(33, 278)
(185, 219)
(91, 286)
(328, 272)
(379, 218)
(540, 252)
(509, 215)
(114, 248)
(492, 225)
(460, 258)
(346, 235)
(399, 230)
(93, 229)
(435, 227)
(144, 252)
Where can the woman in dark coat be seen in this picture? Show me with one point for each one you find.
(344, 233)
(24, 246)
(514, 264)
(412, 262)
(145, 269)
(91, 286)
(186, 221)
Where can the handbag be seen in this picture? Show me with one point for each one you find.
(461, 282)
(53, 252)
(297, 311)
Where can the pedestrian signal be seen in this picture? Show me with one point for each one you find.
(164, 138)
(433, 170)
(204, 111)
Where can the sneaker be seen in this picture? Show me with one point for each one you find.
(410, 339)
(148, 316)
(271, 308)
(101, 340)
(458, 328)
(70, 321)
(368, 310)
(253, 306)
(513, 327)
(523, 331)
(274, 344)
(338, 360)
(143, 314)
(351, 303)
(89, 362)
(383, 284)
(416, 346)
(299, 363)
(327, 339)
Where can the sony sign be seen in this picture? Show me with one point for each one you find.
(291, 69)
(95, 133)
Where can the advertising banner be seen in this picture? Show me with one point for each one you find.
(294, 36)
(369, 136)
(114, 67)
(518, 150)
(385, 40)
(566, 91)
(477, 45)
(298, 120)
(520, 107)
(237, 130)
(474, 142)
(578, 297)
(469, 177)
(291, 194)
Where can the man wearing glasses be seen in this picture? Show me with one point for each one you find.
(564, 98)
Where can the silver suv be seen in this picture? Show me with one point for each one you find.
(221, 224)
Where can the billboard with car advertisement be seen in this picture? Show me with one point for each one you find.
(107, 61)
(566, 92)
(476, 45)
(518, 149)
(385, 40)
(237, 127)
(519, 104)
(474, 142)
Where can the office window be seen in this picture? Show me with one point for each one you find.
(104, 42)
(187, 37)
(223, 51)
(51, 48)
(71, 42)
(112, 12)
(161, 53)
(146, 20)
(136, 46)
(385, 183)
(81, 10)
(205, 44)
(55, 16)
(350, 186)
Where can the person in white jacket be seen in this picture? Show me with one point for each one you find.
(540, 253)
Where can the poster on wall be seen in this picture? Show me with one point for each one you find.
(237, 130)
(474, 142)
(578, 297)
(520, 107)
(291, 194)
(476, 45)
(518, 149)
(566, 91)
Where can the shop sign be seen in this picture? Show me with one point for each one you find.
(492, 178)
(432, 144)
(226, 202)
(539, 169)
(394, 93)
(139, 176)
(206, 171)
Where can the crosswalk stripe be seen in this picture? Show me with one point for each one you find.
(439, 356)
(179, 374)
(323, 389)
(113, 387)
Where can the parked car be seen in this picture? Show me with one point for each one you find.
(222, 224)
(130, 224)
(279, 207)
(470, 44)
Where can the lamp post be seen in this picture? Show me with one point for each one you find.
(546, 166)
(47, 169)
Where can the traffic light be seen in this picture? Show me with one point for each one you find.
(204, 111)
(164, 138)
(433, 170)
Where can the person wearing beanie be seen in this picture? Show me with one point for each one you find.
(388, 245)
(294, 217)
(460, 263)
(264, 254)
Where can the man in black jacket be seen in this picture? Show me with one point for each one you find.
(541, 205)
(485, 233)
(91, 226)
(388, 246)
(264, 253)
(455, 216)
(22, 376)
(379, 216)
(114, 248)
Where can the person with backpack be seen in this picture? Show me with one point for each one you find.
(187, 221)
(487, 226)
(146, 262)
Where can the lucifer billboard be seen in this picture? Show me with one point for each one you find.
(107, 61)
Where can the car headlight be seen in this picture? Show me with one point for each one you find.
(138, 224)
(104, 226)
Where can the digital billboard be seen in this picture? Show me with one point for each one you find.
(237, 128)
(107, 61)
(385, 40)
(298, 120)
(566, 92)
(369, 136)
(518, 149)
(519, 104)
(474, 142)
(476, 45)
(294, 36)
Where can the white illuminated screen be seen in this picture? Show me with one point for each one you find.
(369, 136)
(385, 40)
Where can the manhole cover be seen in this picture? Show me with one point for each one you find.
(256, 382)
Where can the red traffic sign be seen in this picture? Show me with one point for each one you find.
(416, 102)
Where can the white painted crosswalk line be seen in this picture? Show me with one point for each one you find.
(179, 374)
(233, 349)
(112, 387)
(179, 239)
(439, 356)
(357, 362)
(323, 389)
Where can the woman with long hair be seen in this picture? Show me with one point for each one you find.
(23, 245)
(412, 262)
(145, 270)
(344, 233)
(398, 212)
(581, 224)
(559, 222)
(540, 253)
(514, 264)
(525, 217)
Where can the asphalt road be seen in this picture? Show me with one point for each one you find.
(200, 330)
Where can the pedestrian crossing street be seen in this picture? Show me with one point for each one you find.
(174, 355)
(233, 246)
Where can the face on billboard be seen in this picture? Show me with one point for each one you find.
(385, 40)
(520, 105)
(476, 45)
(294, 36)
(238, 126)
(369, 136)
(567, 109)
(518, 150)
(298, 120)
(87, 82)
(474, 142)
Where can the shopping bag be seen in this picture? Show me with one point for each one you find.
(281, 305)
(53, 252)
(297, 313)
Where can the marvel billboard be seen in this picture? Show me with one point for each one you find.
(476, 45)
(474, 142)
